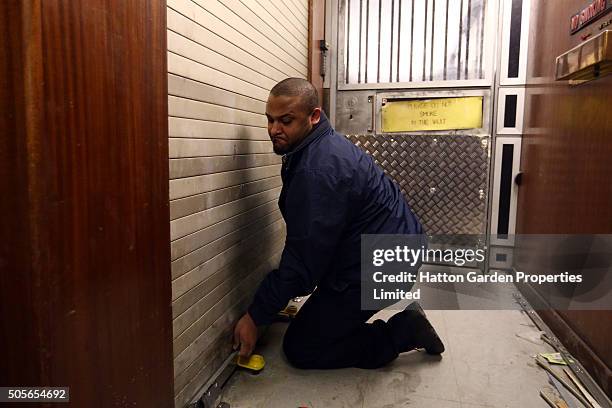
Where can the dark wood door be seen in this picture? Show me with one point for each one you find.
(566, 154)
(84, 231)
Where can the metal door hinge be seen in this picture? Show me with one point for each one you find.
(324, 47)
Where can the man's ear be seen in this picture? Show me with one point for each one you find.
(315, 116)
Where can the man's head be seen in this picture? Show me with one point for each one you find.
(292, 111)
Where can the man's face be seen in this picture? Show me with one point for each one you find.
(288, 122)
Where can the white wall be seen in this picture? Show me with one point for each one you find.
(226, 229)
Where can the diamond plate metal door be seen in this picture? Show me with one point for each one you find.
(443, 177)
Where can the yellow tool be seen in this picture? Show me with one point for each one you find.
(255, 363)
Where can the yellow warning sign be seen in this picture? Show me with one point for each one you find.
(432, 114)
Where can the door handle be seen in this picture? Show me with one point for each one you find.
(518, 179)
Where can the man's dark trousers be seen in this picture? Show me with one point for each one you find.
(330, 331)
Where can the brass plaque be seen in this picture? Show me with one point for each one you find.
(591, 59)
(432, 114)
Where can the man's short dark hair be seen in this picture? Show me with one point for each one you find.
(298, 87)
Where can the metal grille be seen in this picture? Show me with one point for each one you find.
(444, 178)
(390, 41)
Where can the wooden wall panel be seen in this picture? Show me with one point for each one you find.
(226, 229)
(84, 255)
(316, 33)
(20, 77)
(567, 168)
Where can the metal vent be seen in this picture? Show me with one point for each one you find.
(394, 41)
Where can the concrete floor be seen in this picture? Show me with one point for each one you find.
(485, 365)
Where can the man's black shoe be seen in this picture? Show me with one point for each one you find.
(411, 330)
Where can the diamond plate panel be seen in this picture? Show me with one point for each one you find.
(444, 178)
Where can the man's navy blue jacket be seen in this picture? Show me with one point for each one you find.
(332, 193)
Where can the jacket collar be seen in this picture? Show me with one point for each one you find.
(317, 131)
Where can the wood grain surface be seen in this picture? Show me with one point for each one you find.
(84, 244)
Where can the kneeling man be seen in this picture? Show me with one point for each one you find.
(332, 193)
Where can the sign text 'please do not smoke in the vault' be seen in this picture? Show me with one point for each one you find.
(432, 114)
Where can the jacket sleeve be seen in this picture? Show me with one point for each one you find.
(316, 213)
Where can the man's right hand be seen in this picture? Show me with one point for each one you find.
(245, 335)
